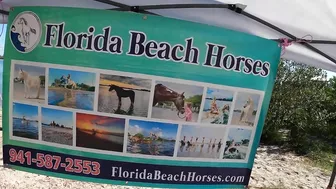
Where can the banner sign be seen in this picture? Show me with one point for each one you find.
(132, 99)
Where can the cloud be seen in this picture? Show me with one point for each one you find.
(135, 129)
(157, 131)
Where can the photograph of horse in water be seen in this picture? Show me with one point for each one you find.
(72, 89)
(237, 143)
(29, 83)
(57, 126)
(217, 106)
(100, 132)
(124, 95)
(151, 138)
(245, 109)
(25, 121)
(200, 141)
(179, 102)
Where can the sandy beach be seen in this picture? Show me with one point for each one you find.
(57, 135)
(19, 94)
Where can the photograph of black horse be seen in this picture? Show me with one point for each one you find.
(124, 95)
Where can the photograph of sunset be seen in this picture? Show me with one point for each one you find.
(100, 132)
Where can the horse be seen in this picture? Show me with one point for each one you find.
(30, 82)
(246, 111)
(122, 93)
(25, 30)
(72, 84)
(24, 121)
(162, 94)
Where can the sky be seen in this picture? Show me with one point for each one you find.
(59, 116)
(211, 92)
(131, 82)
(189, 90)
(109, 124)
(163, 130)
(200, 132)
(239, 134)
(76, 76)
(2, 38)
(32, 70)
(242, 98)
(20, 110)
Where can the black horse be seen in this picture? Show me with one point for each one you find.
(121, 93)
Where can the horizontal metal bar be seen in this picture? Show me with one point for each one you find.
(183, 6)
(4, 12)
(289, 35)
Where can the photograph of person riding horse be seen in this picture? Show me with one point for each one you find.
(70, 88)
(201, 142)
(29, 83)
(57, 126)
(25, 121)
(151, 138)
(174, 101)
(124, 95)
(245, 109)
(100, 132)
(237, 143)
(217, 106)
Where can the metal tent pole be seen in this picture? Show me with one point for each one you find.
(238, 8)
(332, 177)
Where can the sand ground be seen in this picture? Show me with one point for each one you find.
(57, 135)
(19, 94)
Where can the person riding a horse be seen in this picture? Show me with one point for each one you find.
(63, 80)
(214, 108)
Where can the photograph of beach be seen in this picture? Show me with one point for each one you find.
(124, 95)
(72, 89)
(217, 106)
(25, 121)
(237, 143)
(100, 132)
(200, 141)
(29, 83)
(57, 126)
(151, 138)
(245, 109)
(179, 102)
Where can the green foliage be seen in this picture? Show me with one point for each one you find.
(301, 105)
(139, 135)
(195, 100)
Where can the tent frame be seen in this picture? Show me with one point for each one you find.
(238, 8)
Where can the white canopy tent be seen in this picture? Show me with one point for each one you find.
(296, 18)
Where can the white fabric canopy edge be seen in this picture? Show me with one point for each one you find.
(271, 11)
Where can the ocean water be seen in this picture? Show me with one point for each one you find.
(200, 151)
(108, 102)
(155, 148)
(29, 130)
(83, 99)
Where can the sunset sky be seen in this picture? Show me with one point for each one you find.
(102, 123)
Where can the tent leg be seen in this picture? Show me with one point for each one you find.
(332, 177)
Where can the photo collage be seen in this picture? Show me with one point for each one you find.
(131, 114)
